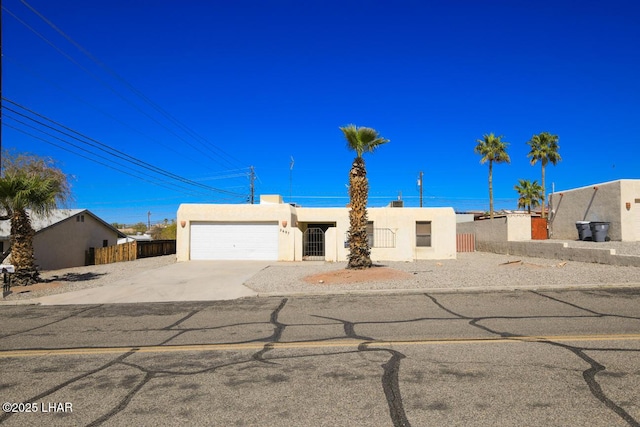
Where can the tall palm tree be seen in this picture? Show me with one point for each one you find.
(492, 149)
(544, 147)
(361, 140)
(529, 194)
(28, 183)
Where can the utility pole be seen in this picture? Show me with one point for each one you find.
(252, 178)
(420, 186)
(149, 220)
(290, 178)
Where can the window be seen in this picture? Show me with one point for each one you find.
(423, 233)
(80, 218)
(105, 243)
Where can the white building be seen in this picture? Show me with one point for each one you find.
(277, 231)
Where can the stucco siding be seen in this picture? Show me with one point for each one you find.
(509, 228)
(294, 220)
(606, 202)
(64, 244)
(194, 213)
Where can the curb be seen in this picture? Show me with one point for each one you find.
(474, 289)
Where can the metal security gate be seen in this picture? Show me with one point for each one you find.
(313, 244)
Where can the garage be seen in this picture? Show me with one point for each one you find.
(234, 241)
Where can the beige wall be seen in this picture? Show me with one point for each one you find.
(334, 238)
(63, 245)
(510, 228)
(191, 213)
(600, 202)
(630, 218)
(402, 221)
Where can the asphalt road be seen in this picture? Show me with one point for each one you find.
(460, 359)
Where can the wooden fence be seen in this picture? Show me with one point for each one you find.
(111, 254)
(465, 242)
(156, 248)
(130, 251)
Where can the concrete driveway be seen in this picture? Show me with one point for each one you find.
(183, 281)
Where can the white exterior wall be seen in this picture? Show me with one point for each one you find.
(334, 249)
(599, 202)
(403, 222)
(400, 220)
(192, 213)
(630, 217)
(518, 227)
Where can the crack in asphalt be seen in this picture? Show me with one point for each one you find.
(51, 323)
(64, 384)
(391, 372)
(349, 328)
(598, 314)
(124, 402)
(390, 378)
(278, 329)
(391, 384)
(589, 375)
(188, 316)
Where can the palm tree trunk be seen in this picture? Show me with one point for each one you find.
(22, 256)
(359, 252)
(491, 189)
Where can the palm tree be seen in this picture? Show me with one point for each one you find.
(28, 183)
(544, 147)
(361, 140)
(492, 149)
(529, 194)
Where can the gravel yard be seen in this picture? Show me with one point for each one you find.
(469, 270)
(77, 278)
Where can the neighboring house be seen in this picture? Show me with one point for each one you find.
(615, 202)
(278, 231)
(139, 237)
(63, 238)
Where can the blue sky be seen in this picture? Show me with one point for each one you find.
(254, 83)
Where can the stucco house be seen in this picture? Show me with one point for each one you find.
(277, 231)
(615, 202)
(63, 238)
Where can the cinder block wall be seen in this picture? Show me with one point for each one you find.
(599, 202)
(511, 228)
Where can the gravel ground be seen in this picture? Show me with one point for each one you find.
(469, 270)
(77, 278)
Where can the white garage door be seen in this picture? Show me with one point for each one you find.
(234, 241)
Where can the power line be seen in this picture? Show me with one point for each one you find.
(223, 155)
(106, 148)
(96, 161)
(112, 117)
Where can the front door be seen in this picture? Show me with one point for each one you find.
(313, 244)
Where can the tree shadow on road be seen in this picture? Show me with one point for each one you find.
(74, 277)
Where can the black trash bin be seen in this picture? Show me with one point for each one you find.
(584, 230)
(599, 231)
